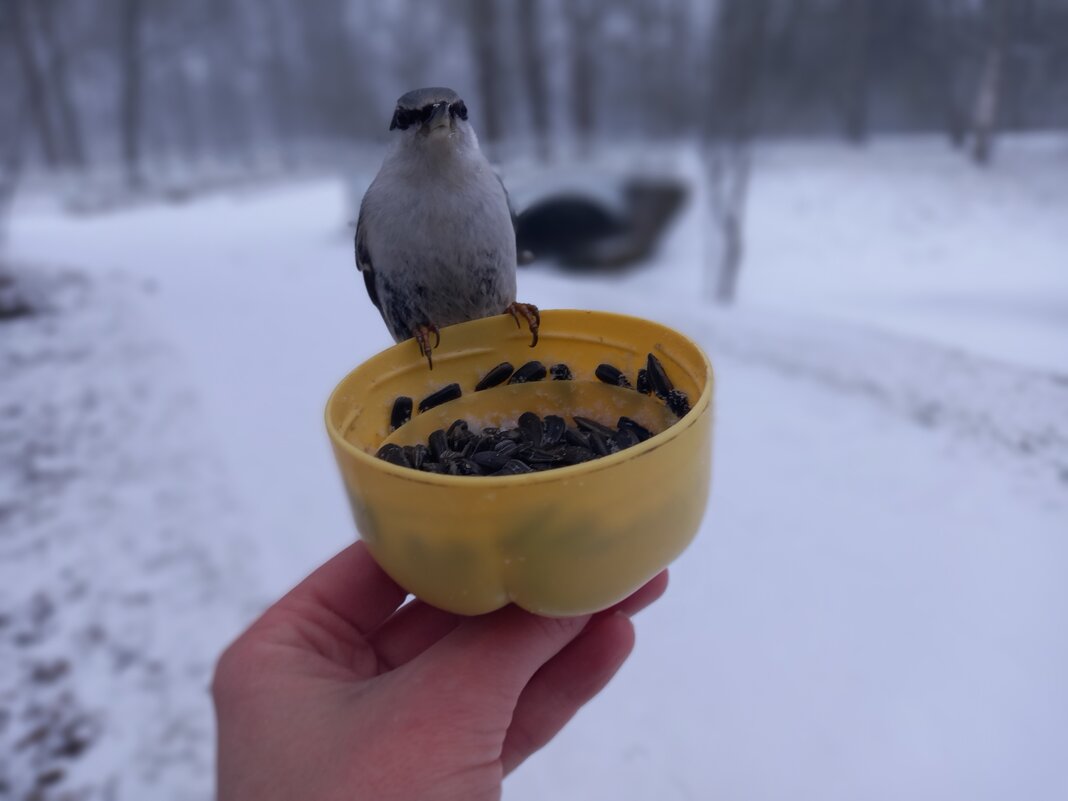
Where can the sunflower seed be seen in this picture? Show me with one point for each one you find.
(531, 371)
(401, 413)
(443, 395)
(498, 375)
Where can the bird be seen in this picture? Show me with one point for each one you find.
(435, 236)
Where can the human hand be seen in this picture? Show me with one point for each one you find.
(335, 693)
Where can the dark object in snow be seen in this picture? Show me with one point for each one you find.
(446, 393)
(583, 232)
(401, 413)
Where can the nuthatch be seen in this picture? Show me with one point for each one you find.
(435, 239)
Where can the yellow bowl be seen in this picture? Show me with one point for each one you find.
(561, 542)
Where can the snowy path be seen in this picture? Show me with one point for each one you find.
(873, 607)
(122, 556)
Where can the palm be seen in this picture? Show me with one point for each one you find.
(408, 702)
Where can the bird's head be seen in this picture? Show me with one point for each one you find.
(430, 117)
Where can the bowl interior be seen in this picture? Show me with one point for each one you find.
(359, 411)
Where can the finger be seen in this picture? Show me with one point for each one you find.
(564, 684)
(410, 631)
(351, 586)
(487, 660)
(640, 598)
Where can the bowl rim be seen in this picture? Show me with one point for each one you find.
(571, 471)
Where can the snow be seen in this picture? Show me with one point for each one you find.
(873, 607)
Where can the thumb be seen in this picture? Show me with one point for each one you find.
(490, 659)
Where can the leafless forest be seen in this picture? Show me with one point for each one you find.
(130, 83)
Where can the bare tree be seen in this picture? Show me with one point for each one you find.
(59, 82)
(33, 74)
(988, 95)
(534, 73)
(856, 18)
(482, 25)
(739, 42)
(581, 20)
(130, 98)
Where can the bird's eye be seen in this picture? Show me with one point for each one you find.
(402, 118)
(458, 109)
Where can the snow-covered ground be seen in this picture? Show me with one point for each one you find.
(873, 608)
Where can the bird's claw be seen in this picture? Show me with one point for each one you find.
(422, 333)
(530, 313)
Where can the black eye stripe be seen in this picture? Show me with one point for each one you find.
(404, 118)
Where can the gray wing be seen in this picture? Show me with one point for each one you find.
(508, 200)
(363, 261)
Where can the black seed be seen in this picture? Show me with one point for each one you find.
(443, 395)
(394, 454)
(560, 372)
(588, 426)
(530, 425)
(643, 382)
(451, 456)
(498, 375)
(577, 438)
(659, 382)
(599, 443)
(640, 431)
(626, 438)
(507, 447)
(513, 467)
(458, 435)
(485, 443)
(468, 468)
(531, 371)
(439, 443)
(576, 454)
(433, 467)
(612, 375)
(678, 402)
(554, 427)
(535, 456)
(491, 431)
(490, 460)
(401, 414)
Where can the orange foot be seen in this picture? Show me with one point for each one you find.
(422, 337)
(530, 313)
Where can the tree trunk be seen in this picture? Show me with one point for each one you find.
(130, 100)
(857, 15)
(482, 25)
(580, 22)
(60, 88)
(36, 99)
(739, 45)
(534, 74)
(282, 94)
(988, 96)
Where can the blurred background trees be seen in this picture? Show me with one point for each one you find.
(134, 82)
(142, 94)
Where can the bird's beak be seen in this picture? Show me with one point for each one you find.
(439, 118)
